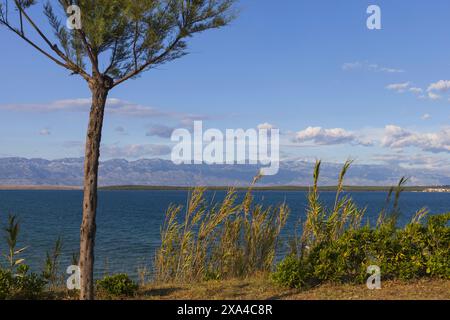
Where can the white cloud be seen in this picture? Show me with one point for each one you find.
(59, 105)
(433, 92)
(436, 90)
(396, 137)
(45, 132)
(321, 136)
(426, 116)
(393, 137)
(416, 90)
(408, 160)
(161, 131)
(125, 108)
(372, 67)
(399, 87)
(434, 96)
(113, 106)
(377, 68)
(440, 86)
(266, 126)
(351, 66)
(406, 87)
(121, 130)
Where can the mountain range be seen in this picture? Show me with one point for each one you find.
(158, 172)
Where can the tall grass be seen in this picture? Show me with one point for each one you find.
(12, 234)
(323, 224)
(335, 245)
(329, 224)
(51, 272)
(218, 240)
(16, 282)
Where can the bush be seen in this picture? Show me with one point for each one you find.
(290, 273)
(6, 283)
(335, 249)
(409, 253)
(117, 285)
(29, 287)
(23, 285)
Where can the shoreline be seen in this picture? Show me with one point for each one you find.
(422, 189)
(38, 188)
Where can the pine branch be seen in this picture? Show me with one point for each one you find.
(150, 62)
(68, 64)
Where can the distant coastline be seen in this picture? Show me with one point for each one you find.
(438, 190)
(18, 187)
(427, 189)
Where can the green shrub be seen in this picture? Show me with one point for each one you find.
(6, 283)
(335, 249)
(29, 286)
(290, 273)
(408, 253)
(117, 285)
(22, 285)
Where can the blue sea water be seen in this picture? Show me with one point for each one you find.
(129, 222)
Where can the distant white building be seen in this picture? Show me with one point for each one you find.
(441, 190)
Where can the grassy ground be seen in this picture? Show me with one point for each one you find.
(263, 289)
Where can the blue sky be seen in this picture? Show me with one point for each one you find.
(310, 68)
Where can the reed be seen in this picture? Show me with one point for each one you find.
(335, 246)
(12, 234)
(208, 240)
(51, 271)
(324, 224)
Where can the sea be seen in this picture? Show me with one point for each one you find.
(129, 222)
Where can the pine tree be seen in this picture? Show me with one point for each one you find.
(128, 37)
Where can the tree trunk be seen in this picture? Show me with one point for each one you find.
(91, 164)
